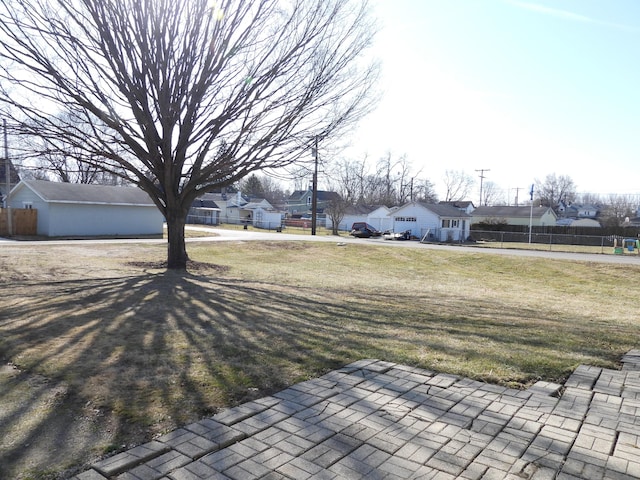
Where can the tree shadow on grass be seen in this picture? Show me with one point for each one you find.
(108, 363)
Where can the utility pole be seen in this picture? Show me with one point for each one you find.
(531, 213)
(517, 189)
(314, 193)
(482, 170)
(410, 185)
(7, 177)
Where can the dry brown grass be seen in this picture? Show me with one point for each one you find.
(103, 348)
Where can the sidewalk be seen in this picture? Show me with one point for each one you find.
(378, 420)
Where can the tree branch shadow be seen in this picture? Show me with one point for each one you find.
(110, 363)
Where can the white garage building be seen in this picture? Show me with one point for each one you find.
(72, 209)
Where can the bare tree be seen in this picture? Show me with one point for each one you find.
(273, 191)
(182, 98)
(491, 194)
(425, 191)
(390, 182)
(458, 185)
(66, 164)
(336, 209)
(554, 189)
(618, 209)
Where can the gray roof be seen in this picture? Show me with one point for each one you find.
(458, 203)
(445, 210)
(58, 192)
(509, 212)
(323, 195)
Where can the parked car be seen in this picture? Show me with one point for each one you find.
(364, 230)
(390, 235)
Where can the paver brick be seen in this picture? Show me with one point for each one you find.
(400, 467)
(89, 475)
(188, 443)
(376, 419)
(197, 471)
(157, 468)
(222, 459)
(273, 458)
(299, 468)
(247, 470)
(216, 432)
(126, 460)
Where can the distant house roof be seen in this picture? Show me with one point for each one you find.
(205, 201)
(323, 195)
(229, 199)
(58, 192)
(441, 210)
(509, 212)
(461, 204)
(444, 210)
(258, 203)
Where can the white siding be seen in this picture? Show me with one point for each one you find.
(265, 219)
(428, 222)
(380, 219)
(67, 219)
(94, 220)
(23, 196)
(425, 219)
(347, 221)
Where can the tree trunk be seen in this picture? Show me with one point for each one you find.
(177, 250)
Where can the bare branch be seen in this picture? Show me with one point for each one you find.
(185, 97)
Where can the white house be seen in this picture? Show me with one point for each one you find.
(204, 211)
(572, 210)
(538, 216)
(73, 209)
(433, 222)
(266, 218)
(466, 206)
(376, 216)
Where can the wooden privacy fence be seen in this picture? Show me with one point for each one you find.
(24, 221)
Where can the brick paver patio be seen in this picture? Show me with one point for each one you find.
(378, 420)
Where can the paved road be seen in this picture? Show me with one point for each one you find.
(221, 235)
(252, 235)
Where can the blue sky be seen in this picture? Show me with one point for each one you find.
(520, 88)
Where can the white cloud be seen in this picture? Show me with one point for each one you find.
(567, 15)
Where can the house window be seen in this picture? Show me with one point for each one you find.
(405, 219)
(27, 205)
(308, 200)
(449, 223)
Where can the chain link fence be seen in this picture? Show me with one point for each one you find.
(555, 241)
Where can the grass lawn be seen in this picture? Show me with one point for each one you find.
(101, 349)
